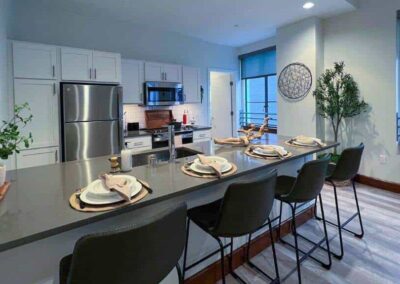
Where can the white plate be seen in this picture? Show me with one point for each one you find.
(88, 197)
(263, 152)
(200, 166)
(225, 168)
(304, 144)
(97, 188)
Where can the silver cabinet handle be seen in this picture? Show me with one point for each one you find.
(90, 73)
(56, 155)
(54, 89)
(165, 76)
(138, 144)
(162, 76)
(202, 135)
(95, 73)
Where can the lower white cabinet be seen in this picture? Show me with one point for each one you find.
(138, 144)
(37, 157)
(202, 135)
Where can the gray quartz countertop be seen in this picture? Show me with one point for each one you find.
(136, 133)
(36, 205)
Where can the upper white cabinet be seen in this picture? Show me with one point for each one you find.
(34, 61)
(163, 72)
(42, 96)
(107, 66)
(132, 78)
(191, 84)
(76, 64)
(87, 65)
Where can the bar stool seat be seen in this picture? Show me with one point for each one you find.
(206, 216)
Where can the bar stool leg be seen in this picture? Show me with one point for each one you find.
(295, 241)
(358, 211)
(338, 256)
(273, 252)
(186, 249)
(222, 260)
(327, 266)
(280, 220)
(180, 275)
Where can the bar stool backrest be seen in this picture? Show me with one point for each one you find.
(246, 206)
(143, 253)
(348, 164)
(310, 180)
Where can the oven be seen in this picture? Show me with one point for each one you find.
(160, 139)
(163, 94)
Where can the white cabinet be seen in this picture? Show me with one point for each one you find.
(191, 84)
(163, 72)
(201, 135)
(76, 64)
(88, 65)
(132, 77)
(34, 61)
(42, 96)
(107, 66)
(37, 157)
(138, 144)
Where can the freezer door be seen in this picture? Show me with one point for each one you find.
(83, 140)
(91, 102)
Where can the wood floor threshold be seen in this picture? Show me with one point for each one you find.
(378, 183)
(212, 273)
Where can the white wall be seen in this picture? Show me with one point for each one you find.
(299, 42)
(3, 61)
(34, 22)
(366, 41)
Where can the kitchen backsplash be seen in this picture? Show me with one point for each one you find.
(135, 113)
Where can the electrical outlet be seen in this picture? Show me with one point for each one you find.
(383, 158)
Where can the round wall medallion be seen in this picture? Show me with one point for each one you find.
(295, 81)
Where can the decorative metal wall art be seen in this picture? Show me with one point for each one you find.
(295, 81)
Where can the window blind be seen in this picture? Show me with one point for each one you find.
(259, 63)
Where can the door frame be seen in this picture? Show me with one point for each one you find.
(234, 76)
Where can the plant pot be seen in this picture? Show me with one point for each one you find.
(3, 171)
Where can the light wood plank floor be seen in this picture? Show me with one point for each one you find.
(373, 259)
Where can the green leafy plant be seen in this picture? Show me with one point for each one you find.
(11, 139)
(338, 97)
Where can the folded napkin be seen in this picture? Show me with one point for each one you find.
(216, 166)
(302, 138)
(117, 184)
(281, 152)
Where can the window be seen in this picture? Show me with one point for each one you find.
(258, 73)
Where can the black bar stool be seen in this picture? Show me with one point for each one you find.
(244, 208)
(297, 193)
(143, 253)
(345, 169)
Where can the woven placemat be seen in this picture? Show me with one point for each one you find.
(300, 146)
(209, 176)
(75, 203)
(248, 152)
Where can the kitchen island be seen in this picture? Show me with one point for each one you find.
(36, 215)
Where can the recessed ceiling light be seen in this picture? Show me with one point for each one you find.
(308, 5)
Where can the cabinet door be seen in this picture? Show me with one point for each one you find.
(191, 84)
(132, 81)
(37, 157)
(107, 67)
(76, 64)
(42, 96)
(153, 71)
(34, 61)
(172, 73)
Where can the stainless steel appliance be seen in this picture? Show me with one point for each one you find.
(160, 137)
(163, 94)
(92, 121)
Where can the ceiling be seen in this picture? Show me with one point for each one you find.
(210, 20)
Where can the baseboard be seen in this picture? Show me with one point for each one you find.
(378, 183)
(212, 273)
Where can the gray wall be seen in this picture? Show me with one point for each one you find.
(3, 60)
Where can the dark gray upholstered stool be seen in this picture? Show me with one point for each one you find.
(143, 253)
(244, 208)
(345, 169)
(298, 192)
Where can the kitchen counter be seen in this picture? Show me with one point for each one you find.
(37, 202)
(136, 133)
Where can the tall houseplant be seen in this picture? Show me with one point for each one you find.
(11, 139)
(338, 97)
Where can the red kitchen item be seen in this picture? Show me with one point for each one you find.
(184, 119)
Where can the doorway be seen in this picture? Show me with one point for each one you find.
(222, 90)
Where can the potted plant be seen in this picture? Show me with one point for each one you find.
(11, 139)
(338, 97)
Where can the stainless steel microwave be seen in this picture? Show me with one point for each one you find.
(163, 94)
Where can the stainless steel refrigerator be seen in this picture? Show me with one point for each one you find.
(92, 121)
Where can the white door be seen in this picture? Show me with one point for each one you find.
(107, 67)
(42, 96)
(76, 64)
(191, 84)
(172, 73)
(34, 61)
(220, 93)
(153, 71)
(37, 157)
(132, 81)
